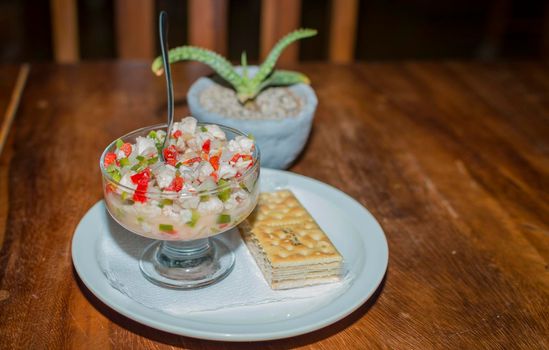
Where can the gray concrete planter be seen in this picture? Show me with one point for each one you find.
(280, 141)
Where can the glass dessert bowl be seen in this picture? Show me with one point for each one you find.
(206, 185)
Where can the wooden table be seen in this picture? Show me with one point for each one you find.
(451, 158)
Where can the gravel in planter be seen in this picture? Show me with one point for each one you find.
(272, 103)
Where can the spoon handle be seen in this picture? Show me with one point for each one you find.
(163, 30)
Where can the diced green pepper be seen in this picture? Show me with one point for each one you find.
(224, 195)
(136, 167)
(116, 175)
(140, 219)
(203, 129)
(165, 201)
(119, 143)
(140, 158)
(194, 218)
(114, 171)
(151, 161)
(204, 198)
(152, 134)
(124, 195)
(225, 191)
(112, 168)
(124, 162)
(224, 219)
(165, 228)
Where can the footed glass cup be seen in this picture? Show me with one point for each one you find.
(188, 252)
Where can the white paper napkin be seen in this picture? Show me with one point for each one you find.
(118, 252)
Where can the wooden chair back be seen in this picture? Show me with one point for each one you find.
(135, 27)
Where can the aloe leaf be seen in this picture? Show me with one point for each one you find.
(191, 53)
(267, 67)
(285, 77)
(277, 78)
(244, 64)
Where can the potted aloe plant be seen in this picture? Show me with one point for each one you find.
(275, 106)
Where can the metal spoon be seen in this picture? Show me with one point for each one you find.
(163, 31)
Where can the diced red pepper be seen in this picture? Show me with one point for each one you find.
(206, 146)
(235, 158)
(110, 188)
(109, 159)
(176, 185)
(215, 176)
(142, 181)
(237, 175)
(214, 161)
(127, 149)
(142, 177)
(177, 134)
(238, 156)
(170, 155)
(192, 160)
(139, 194)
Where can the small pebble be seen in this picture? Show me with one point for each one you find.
(271, 103)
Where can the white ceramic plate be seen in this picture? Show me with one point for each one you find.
(353, 230)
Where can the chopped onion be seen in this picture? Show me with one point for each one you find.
(207, 185)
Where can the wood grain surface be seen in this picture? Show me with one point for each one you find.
(12, 84)
(451, 158)
(8, 79)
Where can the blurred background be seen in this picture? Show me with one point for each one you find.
(349, 30)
